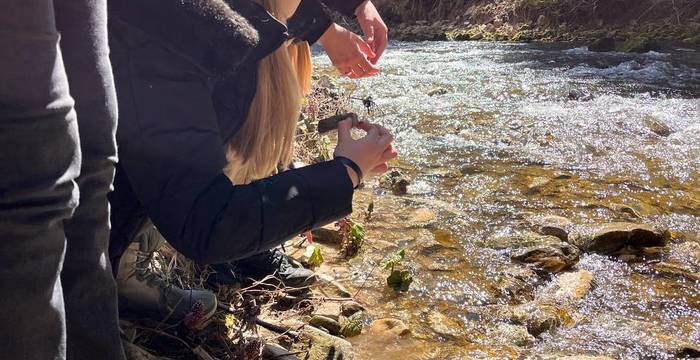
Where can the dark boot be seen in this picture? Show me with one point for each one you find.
(143, 292)
(273, 262)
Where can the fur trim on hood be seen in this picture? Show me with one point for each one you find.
(209, 32)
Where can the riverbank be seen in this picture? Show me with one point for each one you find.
(551, 211)
(659, 23)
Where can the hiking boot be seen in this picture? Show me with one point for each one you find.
(145, 293)
(273, 262)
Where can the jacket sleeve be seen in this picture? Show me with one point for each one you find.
(172, 153)
(310, 20)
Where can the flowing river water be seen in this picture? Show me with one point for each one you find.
(505, 144)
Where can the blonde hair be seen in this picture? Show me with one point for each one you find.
(266, 139)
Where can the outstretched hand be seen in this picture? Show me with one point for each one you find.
(376, 32)
(370, 152)
(349, 53)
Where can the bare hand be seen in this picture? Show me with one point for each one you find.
(348, 52)
(374, 28)
(370, 153)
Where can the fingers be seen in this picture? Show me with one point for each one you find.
(385, 139)
(380, 169)
(365, 49)
(344, 130)
(380, 43)
(389, 154)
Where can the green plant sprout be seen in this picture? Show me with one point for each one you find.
(399, 280)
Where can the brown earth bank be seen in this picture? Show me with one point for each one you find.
(622, 25)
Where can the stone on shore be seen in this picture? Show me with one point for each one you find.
(317, 344)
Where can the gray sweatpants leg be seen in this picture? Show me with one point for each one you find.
(89, 288)
(39, 160)
(39, 166)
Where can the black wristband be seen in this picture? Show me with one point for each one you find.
(353, 165)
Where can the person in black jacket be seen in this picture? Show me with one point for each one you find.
(185, 73)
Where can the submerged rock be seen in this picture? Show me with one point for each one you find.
(657, 126)
(540, 318)
(536, 184)
(319, 345)
(422, 218)
(552, 258)
(511, 334)
(609, 238)
(517, 283)
(553, 225)
(437, 91)
(572, 286)
(578, 95)
(677, 270)
(520, 240)
(395, 181)
(443, 325)
(388, 328)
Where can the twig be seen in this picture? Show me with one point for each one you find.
(277, 328)
(365, 281)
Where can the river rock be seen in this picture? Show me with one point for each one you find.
(351, 307)
(639, 44)
(328, 283)
(422, 218)
(520, 240)
(579, 95)
(388, 328)
(677, 270)
(571, 287)
(517, 283)
(327, 323)
(539, 317)
(552, 258)
(327, 236)
(395, 181)
(437, 91)
(687, 253)
(329, 309)
(537, 184)
(511, 334)
(609, 238)
(553, 225)
(443, 325)
(657, 126)
(602, 45)
(316, 344)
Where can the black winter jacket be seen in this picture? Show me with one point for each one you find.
(185, 73)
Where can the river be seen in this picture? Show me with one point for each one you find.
(528, 130)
